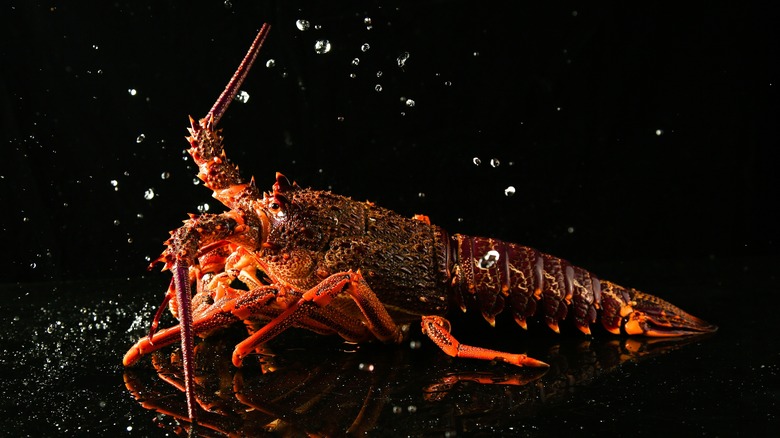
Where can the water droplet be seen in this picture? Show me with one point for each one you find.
(421, 195)
(509, 191)
(322, 47)
(317, 27)
(195, 181)
(410, 103)
(397, 409)
(570, 230)
(165, 175)
(447, 83)
(140, 138)
(242, 96)
(302, 24)
(149, 194)
(475, 54)
(367, 21)
(366, 367)
(379, 74)
(129, 240)
(476, 161)
(365, 47)
(33, 265)
(203, 207)
(356, 61)
(378, 87)
(270, 63)
(116, 222)
(488, 260)
(659, 132)
(340, 118)
(228, 4)
(132, 91)
(352, 75)
(114, 183)
(402, 59)
(415, 345)
(494, 162)
(412, 409)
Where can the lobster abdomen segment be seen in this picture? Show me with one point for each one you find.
(495, 276)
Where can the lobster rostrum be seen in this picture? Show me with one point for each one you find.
(297, 257)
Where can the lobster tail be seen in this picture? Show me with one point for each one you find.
(652, 316)
(495, 276)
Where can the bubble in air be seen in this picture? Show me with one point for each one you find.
(270, 63)
(302, 24)
(494, 162)
(378, 87)
(410, 103)
(659, 132)
(322, 47)
(365, 47)
(140, 138)
(509, 191)
(242, 96)
(165, 175)
(132, 91)
(149, 194)
(401, 60)
(476, 161)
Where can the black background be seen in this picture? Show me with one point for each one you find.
(570, 98)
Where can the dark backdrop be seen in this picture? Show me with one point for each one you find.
(630, 133)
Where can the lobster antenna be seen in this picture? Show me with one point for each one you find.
(223, 101)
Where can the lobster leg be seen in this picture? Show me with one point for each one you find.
(311, 304)
(221, 314)
(438, 329)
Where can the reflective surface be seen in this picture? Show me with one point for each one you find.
(63, 374)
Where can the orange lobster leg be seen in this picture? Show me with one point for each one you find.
(312, 304)
(438, 329)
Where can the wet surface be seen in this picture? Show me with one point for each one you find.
(634, 142)
(63, 342)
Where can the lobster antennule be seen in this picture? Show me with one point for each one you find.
(229, 93)
(653, 316)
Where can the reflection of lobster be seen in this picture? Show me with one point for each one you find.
(375, 390)
(320, 261)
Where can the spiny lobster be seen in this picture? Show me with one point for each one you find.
(324, 262)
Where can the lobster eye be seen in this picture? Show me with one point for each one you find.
(274, 205)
